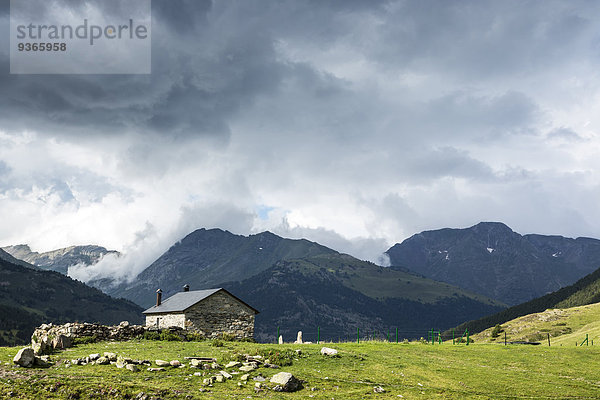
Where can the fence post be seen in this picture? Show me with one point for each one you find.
(277, 337)
(548, 339)
(452, 335)
(467, 337)
(357, 335)
(505, 338)
(397, 336)
(318, 334)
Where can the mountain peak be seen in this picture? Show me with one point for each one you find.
(491, 226)
(491, 259)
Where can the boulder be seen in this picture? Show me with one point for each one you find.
(247, 368)
(162, 363)
(124, 324)
(25, 357)
(110, 356)
(94, 356)
(175, 363)
(378, 389)
(326, 351)
(299, 338)
(39, 348)
(286, 382)
(62, 342)
(280, 340)
(156, 369)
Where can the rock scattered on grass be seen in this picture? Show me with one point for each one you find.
(285, 382)
(103, 361)
(132, 367)
(226, 375)
(175, 363)
(162, 363)
(233, 364)
(378, 389)
(25, 357)
(326, 351)
(156, 369)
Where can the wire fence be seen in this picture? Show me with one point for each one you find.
(396, 335)
(391, 335)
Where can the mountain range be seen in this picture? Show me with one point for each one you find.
(59, 260)
(339, 297)
(298, 283)
(30, 296)
(438, 279)
(492, 260)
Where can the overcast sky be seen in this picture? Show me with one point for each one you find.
(351, 123)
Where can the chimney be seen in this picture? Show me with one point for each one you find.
(158, 297)
(186, 288)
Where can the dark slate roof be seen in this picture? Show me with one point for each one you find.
(181, 301)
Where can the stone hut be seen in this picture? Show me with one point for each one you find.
(209, 312)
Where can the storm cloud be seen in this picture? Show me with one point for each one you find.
(352, 123)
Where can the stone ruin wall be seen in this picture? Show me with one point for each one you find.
(49, 336)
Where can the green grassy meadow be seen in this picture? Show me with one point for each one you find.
(409, 371)
(566, 327)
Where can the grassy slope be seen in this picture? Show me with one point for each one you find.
(413, 371)
(29, 298)
(565, 326)
(339, 296)
(584, 291)
(381, 283)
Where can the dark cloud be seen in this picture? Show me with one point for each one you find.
(447, 162)
(356, 123)
(482, 116)
(483, 39)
